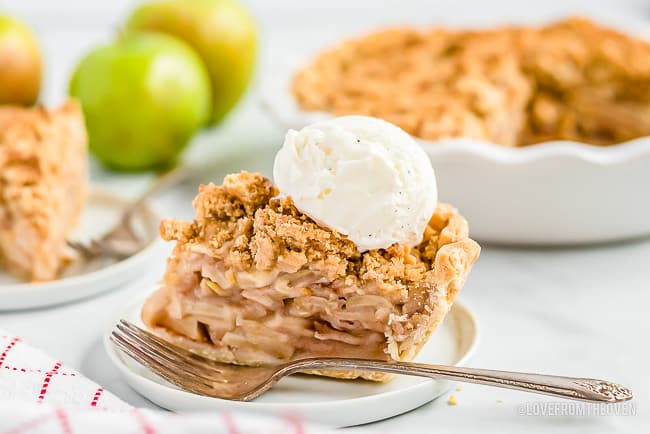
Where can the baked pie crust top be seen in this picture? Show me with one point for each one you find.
(569, 80)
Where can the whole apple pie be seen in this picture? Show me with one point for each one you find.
(514, 86)
(252, 280)
(43, 167)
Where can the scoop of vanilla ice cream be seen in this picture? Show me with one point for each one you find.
(362, 176)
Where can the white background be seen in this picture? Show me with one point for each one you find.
(579, 311)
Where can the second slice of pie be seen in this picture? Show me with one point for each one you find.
(44, 174)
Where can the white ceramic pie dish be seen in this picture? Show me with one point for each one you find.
(552, 193)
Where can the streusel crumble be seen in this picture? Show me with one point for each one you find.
(513, 86)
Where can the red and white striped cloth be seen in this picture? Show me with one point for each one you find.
(40, 395)
(29, 375)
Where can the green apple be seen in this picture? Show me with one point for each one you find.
(221, 31)
(20, 63)
(143, 98)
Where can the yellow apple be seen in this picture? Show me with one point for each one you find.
(20, 63)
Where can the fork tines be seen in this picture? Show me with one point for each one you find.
(176, 365)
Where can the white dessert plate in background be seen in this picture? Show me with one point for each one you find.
(328, 401)
(85, 278)
(552, 193)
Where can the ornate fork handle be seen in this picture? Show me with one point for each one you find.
(582, 389)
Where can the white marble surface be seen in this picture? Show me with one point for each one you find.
(579, 311)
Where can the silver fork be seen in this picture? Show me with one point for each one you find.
(122, 240)
(199, 375)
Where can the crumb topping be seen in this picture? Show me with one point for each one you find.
(246, 225)
(514, 86)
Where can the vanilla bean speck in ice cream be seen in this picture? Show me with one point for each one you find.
(361, 176)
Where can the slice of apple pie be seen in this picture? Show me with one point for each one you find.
(43, 173)
(252, 281)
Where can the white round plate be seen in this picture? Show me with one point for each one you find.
(552, 193)
(316, 399)
(85, 278)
